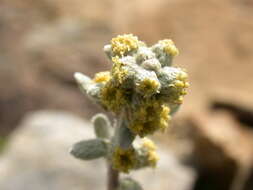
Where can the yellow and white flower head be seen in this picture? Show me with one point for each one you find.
(142, 83)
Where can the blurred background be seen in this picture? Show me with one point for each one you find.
(42, 112)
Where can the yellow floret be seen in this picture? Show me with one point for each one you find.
(112, 97)
(169, 47)
(179, 87)
(171, 50)
(124, 160)
(182, 76)
(119, 74)
(150, 150)
(186, 84)
(153, 158)
(123, 44)
(179, 84)
(102, 77)
(148, 144)
(148, 87)
(164, 118)
(179, 100)
(150, 117)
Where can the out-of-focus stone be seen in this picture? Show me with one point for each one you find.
(223, 150)
(40, 67)
(44, 41)
(37, 157)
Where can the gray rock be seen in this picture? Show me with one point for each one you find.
(37, 158)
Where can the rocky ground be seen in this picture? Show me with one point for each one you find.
(44, 42)
(37, 157)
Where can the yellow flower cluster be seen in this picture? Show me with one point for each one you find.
(119, 74)
(150, 117)
(113, 96)
(148, 87)
(169, 47)
(148, 144)
(180, 85)
(102, 77)
(124, 160)
(123, 44)
(150, 149)
(144, 90)
(137, 91)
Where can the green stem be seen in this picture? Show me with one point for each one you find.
(123, 138)
(113, 178)
(112, 174)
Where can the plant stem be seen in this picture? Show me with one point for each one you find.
(112, 178)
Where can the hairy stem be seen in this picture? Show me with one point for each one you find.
(112, 178)
(112, 174)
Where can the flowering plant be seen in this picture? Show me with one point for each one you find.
(143, 90)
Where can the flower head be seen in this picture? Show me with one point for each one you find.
(123, 44)
(124, 160)
(142, 84)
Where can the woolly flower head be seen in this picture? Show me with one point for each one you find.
(142, 83)
(174, 84)
(142, 154)
(149, 117)
(165, 51)
(150, 148)
(169, 47)
(123, 44)
(124, 160)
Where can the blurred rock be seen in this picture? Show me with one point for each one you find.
(40, 60)
(242, 112)
(223, 151)
(44, 41)
(37, 157)
(249, 181)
